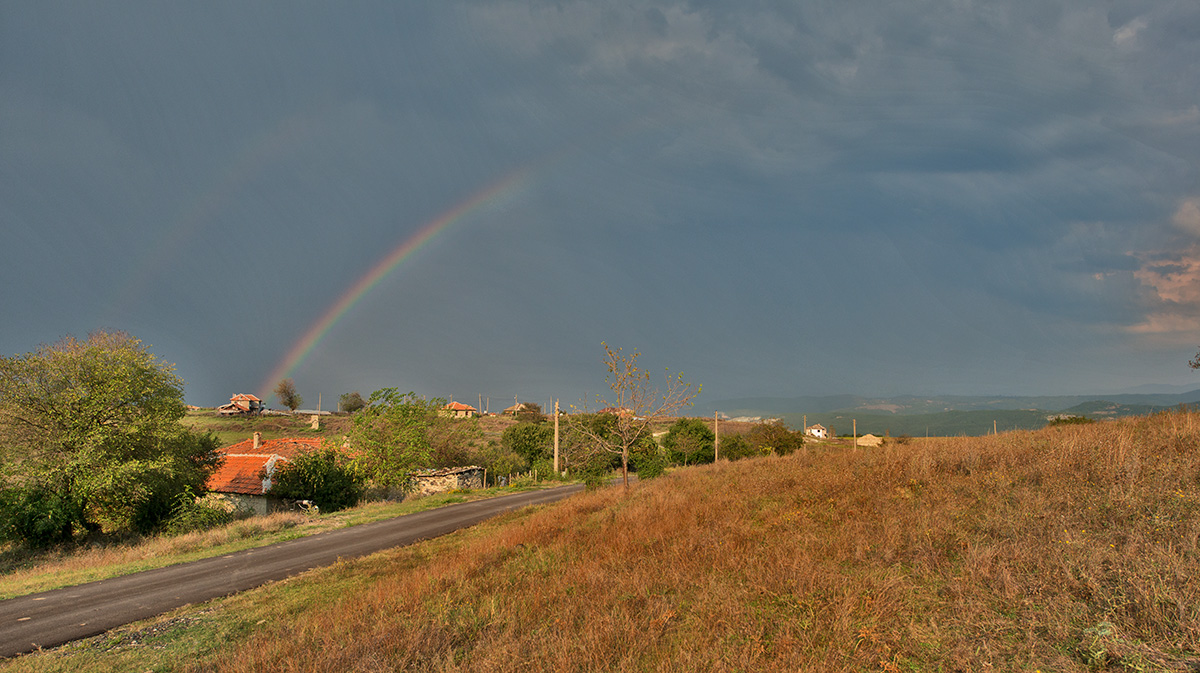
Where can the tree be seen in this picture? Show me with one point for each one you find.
(634, 404)
(324, 476)
(690, 441)
(531, 441)
(90, 436)
(530, 412)
(351, 402)
(390, 436)
(288, 397)
(775, 437)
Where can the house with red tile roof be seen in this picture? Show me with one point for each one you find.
(460, 410)
(242, 403)
(244, 476)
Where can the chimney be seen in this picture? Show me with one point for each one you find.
(257, 440)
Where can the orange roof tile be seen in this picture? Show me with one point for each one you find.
(288, 447)
(240, 474)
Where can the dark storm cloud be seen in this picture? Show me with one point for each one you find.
(992, 187)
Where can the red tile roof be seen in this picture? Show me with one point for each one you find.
(241, 474)
(288, 447)
(459, 406)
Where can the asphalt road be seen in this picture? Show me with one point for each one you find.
(55, 617)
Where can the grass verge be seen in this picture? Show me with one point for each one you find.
(25, 572)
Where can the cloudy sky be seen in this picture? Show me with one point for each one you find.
(773, 198)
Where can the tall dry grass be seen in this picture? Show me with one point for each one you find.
(1070, 548)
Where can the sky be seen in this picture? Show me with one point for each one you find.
(464, 199)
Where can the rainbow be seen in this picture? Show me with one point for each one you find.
(313, 336)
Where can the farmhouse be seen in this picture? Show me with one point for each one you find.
(242, 403)
(817, 431)
(460, 410)
(244, 477)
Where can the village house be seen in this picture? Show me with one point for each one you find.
(243, 480)
(818, 431)
(242, 403)
(460, 410)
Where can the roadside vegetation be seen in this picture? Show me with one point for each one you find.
(1073, 548)
(24, 571)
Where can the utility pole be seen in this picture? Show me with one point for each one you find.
(716, 438)
(856, 433)
(557, 471)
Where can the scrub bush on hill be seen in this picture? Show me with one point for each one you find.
(768, 438)
(531, 441)
(91, 439)
(689, 441)
(323, 476)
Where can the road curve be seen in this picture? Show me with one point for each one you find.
(52, 618)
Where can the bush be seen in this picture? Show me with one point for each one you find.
(531, 441)
(38, 516)
(324, 476)
(737, 447)
(689, 441)
(545, 470)
(776, 438)
(190, 514)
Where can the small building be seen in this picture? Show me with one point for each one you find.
(818, 431)
(460, 410)
(242, 403)
(521, 407)
(428, 482)
(244, 477)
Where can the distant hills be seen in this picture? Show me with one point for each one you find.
(946, 415)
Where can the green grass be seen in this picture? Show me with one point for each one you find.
(25, 572)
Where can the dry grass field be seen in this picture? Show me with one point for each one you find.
(1064, 549)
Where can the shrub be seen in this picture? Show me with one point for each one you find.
(689, 441)
(775, 438)
(737, 447)
(324, 476)
(531, 441)
(189, 514)
(38, 516)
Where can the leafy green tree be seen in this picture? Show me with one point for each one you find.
(689, 441)
(636, 405)
(777, 438)
(324, 476)
(288, 397)
(531, 441)
(737, 447)
(390, 436)
(90, 435)
(530, 412)
(351, 402)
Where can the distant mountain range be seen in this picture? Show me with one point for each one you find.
(946, 415)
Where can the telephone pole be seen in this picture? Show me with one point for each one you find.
(557, 471)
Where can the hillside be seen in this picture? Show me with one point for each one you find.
(913, 405)
(1066, 549)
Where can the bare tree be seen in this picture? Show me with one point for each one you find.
(635, 403)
